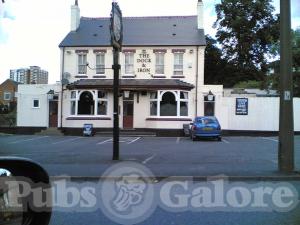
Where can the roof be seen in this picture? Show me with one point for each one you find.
(132, 84)
(15, 83)
(138, 31)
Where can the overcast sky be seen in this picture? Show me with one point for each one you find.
(31, 30)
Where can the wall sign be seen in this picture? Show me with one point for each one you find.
(144, 62)
(241, 106)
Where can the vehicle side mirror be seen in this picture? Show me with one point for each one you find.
(25, 193)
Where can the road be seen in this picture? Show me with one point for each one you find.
(91, 156)
(163, 217)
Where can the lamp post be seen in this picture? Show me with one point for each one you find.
(116, 30)
(286, 121)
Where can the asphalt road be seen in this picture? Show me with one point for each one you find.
(91, 156)
(163, 217)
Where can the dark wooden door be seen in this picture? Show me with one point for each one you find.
(128, 114)
(53, 111)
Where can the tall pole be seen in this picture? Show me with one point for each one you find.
(286, 121)
(116, 68)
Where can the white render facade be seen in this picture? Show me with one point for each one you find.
(161, 76)
(143, 115)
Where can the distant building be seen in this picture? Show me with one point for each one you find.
(31, 75)
(8, 90)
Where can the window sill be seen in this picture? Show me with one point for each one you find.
(87, 118)
(168, 119)
(81, 76)
(129, 76)
(159, 76)
(178, 76)
(99, 76)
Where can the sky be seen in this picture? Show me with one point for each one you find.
(31, 30)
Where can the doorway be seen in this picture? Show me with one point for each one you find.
(128, 108)
(53, 111)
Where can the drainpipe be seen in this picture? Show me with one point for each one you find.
(62, 88)
(197, 78)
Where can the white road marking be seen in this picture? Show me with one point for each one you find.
(67, 140)
(103, 142)
(134, 140)
(178, 140)
(225, 141)
(270, 139)
(148, 159)
(31, 139)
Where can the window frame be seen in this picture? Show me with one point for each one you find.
(131, 63)
(5, 94)
(80, 64)
(76, 98)
(158, 64)
(33, 105)
(178, 71)
(179, 100)
(100, 65)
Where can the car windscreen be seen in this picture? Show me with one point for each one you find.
(206, 121)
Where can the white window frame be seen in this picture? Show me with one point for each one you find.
(81, 63)
(176, 93)
(39, 103)
(76, 99)
(105, 99)
(100, 63)
(178, 64)
(5, 96)
(158, 56)
(129, 55)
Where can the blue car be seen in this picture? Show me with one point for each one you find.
(206, 126)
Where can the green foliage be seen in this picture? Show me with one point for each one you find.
(247, 31)
(219, 70)
(249, 84)
(296, 49)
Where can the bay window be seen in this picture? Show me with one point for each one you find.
(169, 103)
(88, 103)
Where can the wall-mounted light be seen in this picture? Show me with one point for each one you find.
(69, 52)
(210, 96)
(191, 51)
(126, 94)
(50, 94)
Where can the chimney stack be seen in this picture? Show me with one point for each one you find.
(200, 14)
(75, 16)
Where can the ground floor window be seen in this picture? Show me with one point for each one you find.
(90, 103)
(169, 103)
(209, 105)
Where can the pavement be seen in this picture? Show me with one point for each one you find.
(89, 157)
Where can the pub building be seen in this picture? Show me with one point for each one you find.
(161, 77)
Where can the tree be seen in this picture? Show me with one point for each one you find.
(246, 31)
(216, 69)
(296, 49)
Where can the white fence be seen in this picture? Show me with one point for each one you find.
(263, 114)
